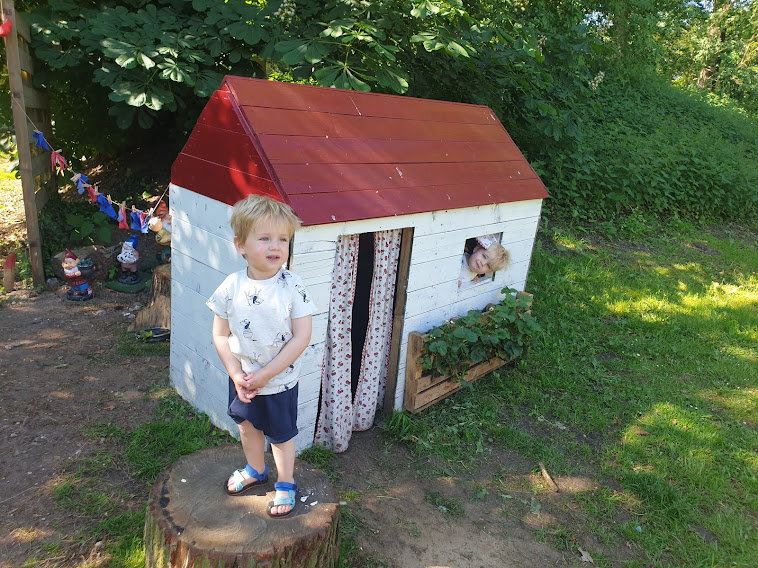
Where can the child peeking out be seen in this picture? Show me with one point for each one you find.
(481, 256)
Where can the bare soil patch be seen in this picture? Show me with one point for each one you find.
(61, 379)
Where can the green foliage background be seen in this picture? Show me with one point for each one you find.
(585, 88)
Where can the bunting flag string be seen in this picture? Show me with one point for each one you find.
(137, 220)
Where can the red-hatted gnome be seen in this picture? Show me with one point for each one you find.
(128, 259)
(80, 287)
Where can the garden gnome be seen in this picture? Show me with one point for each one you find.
(162, 232)
(80, 287)
(161, 211)
(128, 259)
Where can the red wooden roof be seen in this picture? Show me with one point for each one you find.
(337, 155)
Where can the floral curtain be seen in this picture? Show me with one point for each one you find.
(373, 376)
(341, 414)
(335, 419)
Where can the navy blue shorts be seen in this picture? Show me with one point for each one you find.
(273, 414)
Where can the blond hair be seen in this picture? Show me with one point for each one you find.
(500, 257)
(255, 209)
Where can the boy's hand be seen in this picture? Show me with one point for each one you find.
(245, 392)
(246, 395)
(255, 380)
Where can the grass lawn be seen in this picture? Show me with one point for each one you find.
(647, 377)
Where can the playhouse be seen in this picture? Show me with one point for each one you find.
(388, 188)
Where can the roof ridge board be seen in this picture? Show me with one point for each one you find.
(329, 91)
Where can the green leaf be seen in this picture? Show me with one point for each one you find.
(315, 52)
(144, 119)
(146, 62)
(457, 49)
(127, 61)
(124, 115)
(467, 334)
(74, 220)
(114, 48)
(86, 228)
(137, 99)
(433, 45)
(103, 234)
(418, 38)
(293, 51)
(325, 75)
(395, 80)
(347, 80)
(207, 82)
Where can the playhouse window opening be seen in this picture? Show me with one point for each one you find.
(483, 243)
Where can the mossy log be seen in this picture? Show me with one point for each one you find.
(191, 521)
(157, 313)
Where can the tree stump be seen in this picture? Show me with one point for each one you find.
(191, 521)
(157, 313)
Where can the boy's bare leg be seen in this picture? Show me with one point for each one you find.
(284, 458)
(253, 444)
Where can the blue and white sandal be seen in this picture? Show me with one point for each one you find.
(290, 500)
(239, 480)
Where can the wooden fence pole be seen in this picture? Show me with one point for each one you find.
(19, 78)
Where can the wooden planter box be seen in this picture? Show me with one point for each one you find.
(421, 391)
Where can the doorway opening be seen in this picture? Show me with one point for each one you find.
(366, 305)
(361, 300)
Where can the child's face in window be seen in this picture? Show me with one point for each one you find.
(480, 260)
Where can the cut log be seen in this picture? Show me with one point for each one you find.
(191, 521)
(157, 313)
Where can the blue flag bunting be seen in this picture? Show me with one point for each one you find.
(106, 207)
(39, 140)
(80, 180)
(136, 221)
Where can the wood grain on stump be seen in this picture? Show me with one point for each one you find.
(157, 313)
(191, 521)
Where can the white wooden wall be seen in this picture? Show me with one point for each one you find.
(203, 254)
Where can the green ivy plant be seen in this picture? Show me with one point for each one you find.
(505, 330)
(86, 228)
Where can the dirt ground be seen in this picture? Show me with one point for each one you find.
(60, 375)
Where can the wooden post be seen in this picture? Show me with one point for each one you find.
(190, 521)
(398, 317)
(25, 100)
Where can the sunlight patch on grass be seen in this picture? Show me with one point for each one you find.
(740, 403)
(27, 534)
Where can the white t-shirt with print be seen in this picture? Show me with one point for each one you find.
(260, 314)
